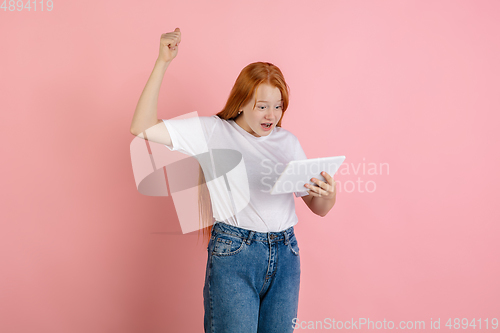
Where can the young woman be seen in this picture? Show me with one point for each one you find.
(253, 267)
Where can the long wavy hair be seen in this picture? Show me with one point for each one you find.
(243, 91)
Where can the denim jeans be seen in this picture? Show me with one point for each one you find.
(252, 281)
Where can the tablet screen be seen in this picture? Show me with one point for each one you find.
(297, 173)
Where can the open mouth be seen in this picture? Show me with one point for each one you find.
(266, 125)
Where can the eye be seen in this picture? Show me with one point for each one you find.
(261, 107)
(281, 106)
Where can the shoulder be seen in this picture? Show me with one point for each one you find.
(215, 119)
(210, 122)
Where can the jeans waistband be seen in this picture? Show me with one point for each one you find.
(249, 235)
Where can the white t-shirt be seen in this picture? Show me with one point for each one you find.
(240, 169)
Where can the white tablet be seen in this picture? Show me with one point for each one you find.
(299, 172)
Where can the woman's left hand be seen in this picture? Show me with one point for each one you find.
(323, 190)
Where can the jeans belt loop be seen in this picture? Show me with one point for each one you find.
(212, 231)
(250, 235)
(286, 237)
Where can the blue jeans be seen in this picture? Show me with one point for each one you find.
(252, 281)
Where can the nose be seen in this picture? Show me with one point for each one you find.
(270, 115)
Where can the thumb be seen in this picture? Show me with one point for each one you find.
(177, 29)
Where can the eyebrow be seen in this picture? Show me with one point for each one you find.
(266, 101)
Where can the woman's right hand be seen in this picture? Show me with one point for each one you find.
(169, 45)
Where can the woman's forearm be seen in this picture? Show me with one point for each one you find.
(321, 206)
(146, 114)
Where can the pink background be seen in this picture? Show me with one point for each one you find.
(413, 84)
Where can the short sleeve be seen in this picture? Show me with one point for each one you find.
(299, 155)
(191, 135)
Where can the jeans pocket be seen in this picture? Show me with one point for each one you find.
(293, 245)
(227, 245)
